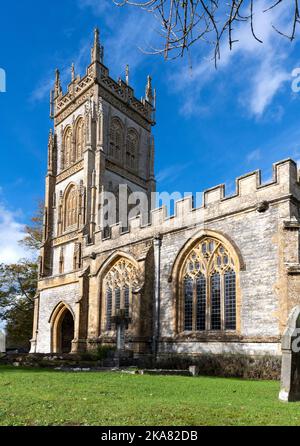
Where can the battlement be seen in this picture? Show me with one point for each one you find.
(98, 73)
(249, 195)
(284, 173)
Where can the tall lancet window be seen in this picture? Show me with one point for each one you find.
(67, 152)
(79, 141)
(132, 148)
(209, 288)
(118, 286)
(71, 208)
(116, 139)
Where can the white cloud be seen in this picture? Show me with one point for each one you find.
(132, 30)
(98, 7)
(42, 90)
(262, 65)
(80, 60)
(171, 173)
(137, 33)
(129, 31)
(255, 155)
(266, 84)
(11, 231)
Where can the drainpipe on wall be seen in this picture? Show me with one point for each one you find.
(156, 311)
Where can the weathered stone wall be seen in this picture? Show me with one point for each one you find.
(49, 299)
(259, 221)
(264, 245)
(221, 347)
(253, 234)
(68, 121)
(109, 113)
(68, 253)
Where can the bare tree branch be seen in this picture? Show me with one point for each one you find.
(185, 22)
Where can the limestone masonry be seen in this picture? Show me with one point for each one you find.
(220, 278)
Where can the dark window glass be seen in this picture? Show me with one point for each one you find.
(230, 300)
(188, 304)
(126, 299)
(215, 302)
(117, 299)
(201, 302)
(108, 309)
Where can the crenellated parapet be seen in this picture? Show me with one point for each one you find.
(251, 194)
(118, 93)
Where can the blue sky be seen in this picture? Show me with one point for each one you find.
(212, 125)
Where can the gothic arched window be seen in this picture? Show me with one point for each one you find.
(116, 143)
(71, 208)
(132, 145)
(209, 288)
(67, 152)
(118, 285)
(79, 139)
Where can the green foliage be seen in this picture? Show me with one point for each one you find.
(34, 232)
(100, 354)
(39, 397)
(18, 285)
(17, 290)
(104, 351)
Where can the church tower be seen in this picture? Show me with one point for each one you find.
(102, 139)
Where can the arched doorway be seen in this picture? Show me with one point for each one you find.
(62, 329)
(67, 332)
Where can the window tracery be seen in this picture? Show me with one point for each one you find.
(67, 149)
(209, 288)
(118, 286)
(71, 208)
(116, 139)
(79, 139)
(132, 149)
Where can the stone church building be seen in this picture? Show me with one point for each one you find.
(219, 278)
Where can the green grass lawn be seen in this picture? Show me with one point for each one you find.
(42, 397)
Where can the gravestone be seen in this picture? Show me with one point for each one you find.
(290, 366)
(2, 342)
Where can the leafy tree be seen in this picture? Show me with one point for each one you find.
(18, 284)
(183, 23)
(34, 232)
(17, 290)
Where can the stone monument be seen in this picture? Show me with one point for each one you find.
(2, 342)
(290, 368)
